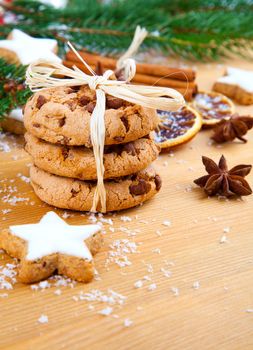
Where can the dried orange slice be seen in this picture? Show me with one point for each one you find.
(213, 107)
(178, 127)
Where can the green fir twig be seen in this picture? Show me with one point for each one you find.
(13, 92)
(196, 29)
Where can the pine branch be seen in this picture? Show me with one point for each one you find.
(196, 29)
(13, 92)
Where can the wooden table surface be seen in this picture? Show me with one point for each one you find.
(194, 291)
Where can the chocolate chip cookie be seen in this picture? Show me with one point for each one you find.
(121, 193)
(62, 115)
(79, 162)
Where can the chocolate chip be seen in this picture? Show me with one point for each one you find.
(83, 100)
(130, 149)
(90, 106)
(118, 138)
(36, 125)
(74, 193)
(125, 122)
(41, 100)
(65, 152)
(107, 149)
(158, 182)
(113, 102)
(75, 88)
(141, 188)
(44, 264)
(65, 140)
(62, 121)
(72, 104)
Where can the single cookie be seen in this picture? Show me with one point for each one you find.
(62, 115)
(13, 126)
(79, 162)
(73, 194)
(236, 84)
(52, 246)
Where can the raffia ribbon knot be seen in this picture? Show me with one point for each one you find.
(43, 74)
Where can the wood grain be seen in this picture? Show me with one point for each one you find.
(212, 317)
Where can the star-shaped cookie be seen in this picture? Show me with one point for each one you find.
(52, 245)
(236, 84)
(22, 48)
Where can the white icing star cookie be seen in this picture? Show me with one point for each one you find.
(52, 245)
(52, 235)
(16, 114)
(236, 84)
(22, 48)
(239, 77)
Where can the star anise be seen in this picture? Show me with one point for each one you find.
(235, 127)
(222, 181)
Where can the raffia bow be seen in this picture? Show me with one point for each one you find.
(43, 74)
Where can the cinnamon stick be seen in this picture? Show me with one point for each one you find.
(144, 78)
(141, 68)
(160, 81)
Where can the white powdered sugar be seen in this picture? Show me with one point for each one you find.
(106, 311)
(196, 285)
(128, 322)
(43, 319)
(111, 297)
(7, 276)
(24, 178)
(138, 284)
(175, 291)
(120, 249)
(167, 223)
(152, 287)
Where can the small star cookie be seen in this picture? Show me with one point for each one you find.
(52, 246)
(236, 84)
(21, 48)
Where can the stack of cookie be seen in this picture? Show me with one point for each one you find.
(58, 139)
